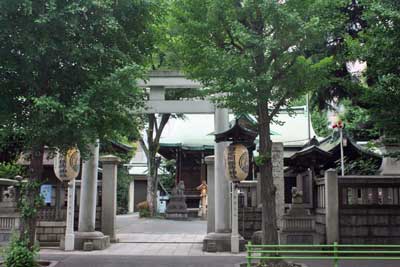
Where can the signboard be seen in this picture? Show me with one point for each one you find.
(67, 166)
(46, 192)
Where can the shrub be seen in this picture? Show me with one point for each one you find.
(19, 255)
(143, 208)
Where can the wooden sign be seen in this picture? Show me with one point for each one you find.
(67, 166)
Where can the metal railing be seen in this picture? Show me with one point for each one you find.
(333, 252)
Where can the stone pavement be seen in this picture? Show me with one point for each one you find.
(149, 249)
(131, 223)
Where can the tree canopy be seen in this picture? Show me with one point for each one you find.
(255, 58)
(68, 68)
(68, 77)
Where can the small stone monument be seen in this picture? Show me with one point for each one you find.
(177, 208)
(298, 223)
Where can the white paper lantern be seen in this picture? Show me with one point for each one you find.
(67, 166)
(236, 159)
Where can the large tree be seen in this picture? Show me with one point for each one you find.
(254, 56)
(378, 47)
(67, 75)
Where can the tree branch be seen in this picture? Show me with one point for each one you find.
(235, 44)
(278, 106)
(164, 120)
(144, 147)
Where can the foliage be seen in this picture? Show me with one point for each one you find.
(123, 182)
(143, 208)
(168, 179)
(378, 46)
(255, 57)
(10, 170)
(25, 205)
(18, 254)
(358, 123)
(361, 166)
(59, 61)
(68, 75)
(320, 123)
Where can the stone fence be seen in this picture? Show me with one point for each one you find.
(51, 219)
(349, 210)
(369, 209)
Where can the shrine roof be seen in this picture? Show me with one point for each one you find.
(196, 131)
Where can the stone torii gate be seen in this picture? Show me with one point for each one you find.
(219, 216)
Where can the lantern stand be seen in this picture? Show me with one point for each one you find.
(236, 159)
(66, 168)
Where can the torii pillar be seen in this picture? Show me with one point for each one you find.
(220, 240)
(87, 238)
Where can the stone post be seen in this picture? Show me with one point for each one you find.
(332, 206)
(109, 196)
(235, 237)
(69, 231)
(211, 194)
(131, 198)
(279, 181)
(87, 238)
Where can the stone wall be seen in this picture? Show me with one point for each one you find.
(50, 233)
(369, 226)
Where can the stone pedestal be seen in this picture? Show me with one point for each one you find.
(109, 195)
(220, 242)
(298, 225)
(89, 241)
(177, 208)
(87, 238)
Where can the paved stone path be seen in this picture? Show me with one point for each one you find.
(148, 249)
(132, 229)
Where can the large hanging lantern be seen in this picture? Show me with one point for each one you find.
(236, 159)
(67, 166)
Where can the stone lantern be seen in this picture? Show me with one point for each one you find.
(236, 161)
(237, 154)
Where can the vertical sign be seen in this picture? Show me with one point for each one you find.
(46, 192)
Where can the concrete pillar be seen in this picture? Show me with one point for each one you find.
(88, 196)
(222, 186)
(279, 181)
(131, 197)
(109, 195)
(211, 194)
(332, 206)
(87, 238)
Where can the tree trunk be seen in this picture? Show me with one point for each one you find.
(151, 184)
(269, 222)
(32, 197)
